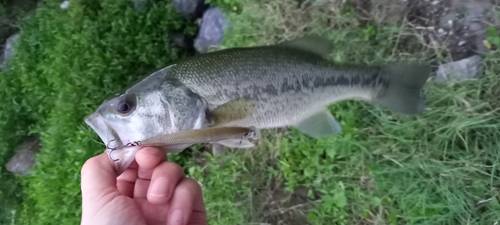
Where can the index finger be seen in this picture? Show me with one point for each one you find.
(97, 175)
(148, 158)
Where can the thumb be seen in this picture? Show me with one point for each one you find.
(98, 177)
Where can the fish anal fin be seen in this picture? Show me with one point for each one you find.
(236, 143)
(319, 124)
(310, 43)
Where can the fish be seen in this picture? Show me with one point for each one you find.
(287, 84)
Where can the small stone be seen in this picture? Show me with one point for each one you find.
(24, 159)
(64, 5)
(441, 32)
(193, 8)
(140, 5)
(464, 69)
(461, 43)
(212, 29)
(8, 51)
(435, 2)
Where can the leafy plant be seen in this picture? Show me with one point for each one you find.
(65, 63)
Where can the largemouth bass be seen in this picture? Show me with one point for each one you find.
(281, 85)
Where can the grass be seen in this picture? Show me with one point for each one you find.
(440, 167)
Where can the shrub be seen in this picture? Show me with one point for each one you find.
(66, 63)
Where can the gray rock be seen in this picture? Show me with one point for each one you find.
(64, 4)
(24, 159)
(193, 8)
(140, 5)
(464, 69)
(213, 25)
(8, 51)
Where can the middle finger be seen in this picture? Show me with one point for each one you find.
(165, 178)
(126, 181)
(147, 159)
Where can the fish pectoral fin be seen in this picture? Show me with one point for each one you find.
(230, 111)
(236, 143)
(320, 124)
(310, 43)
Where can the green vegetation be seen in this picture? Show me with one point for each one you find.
(66, 63)
(437, 168)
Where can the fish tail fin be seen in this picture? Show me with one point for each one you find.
(404, 92)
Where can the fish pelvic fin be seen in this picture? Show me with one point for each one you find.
(310, 43)
(404, 91)
(319, 124)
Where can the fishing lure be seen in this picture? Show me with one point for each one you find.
(204, 135)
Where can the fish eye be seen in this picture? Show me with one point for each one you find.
(125, 105)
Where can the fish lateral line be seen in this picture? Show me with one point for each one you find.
(250, 133)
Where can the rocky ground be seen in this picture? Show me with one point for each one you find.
(455, 30)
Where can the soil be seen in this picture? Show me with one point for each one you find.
(279, 207)
(459, 25)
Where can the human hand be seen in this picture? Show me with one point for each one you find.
(151, 191)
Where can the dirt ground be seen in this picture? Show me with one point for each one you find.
(457, 27)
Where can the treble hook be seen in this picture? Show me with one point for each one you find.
(111, 150)
(133, 144)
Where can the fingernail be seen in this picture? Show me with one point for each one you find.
(176, 218)
(159, 187)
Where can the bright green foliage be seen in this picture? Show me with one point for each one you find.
(66, 63)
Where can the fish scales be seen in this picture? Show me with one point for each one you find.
(289, 84)
(285, 83)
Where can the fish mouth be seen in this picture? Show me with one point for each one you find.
(122, 158)
(107, 135)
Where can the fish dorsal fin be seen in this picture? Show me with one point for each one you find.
(311, 43)
(230, 111)
(319, 124)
